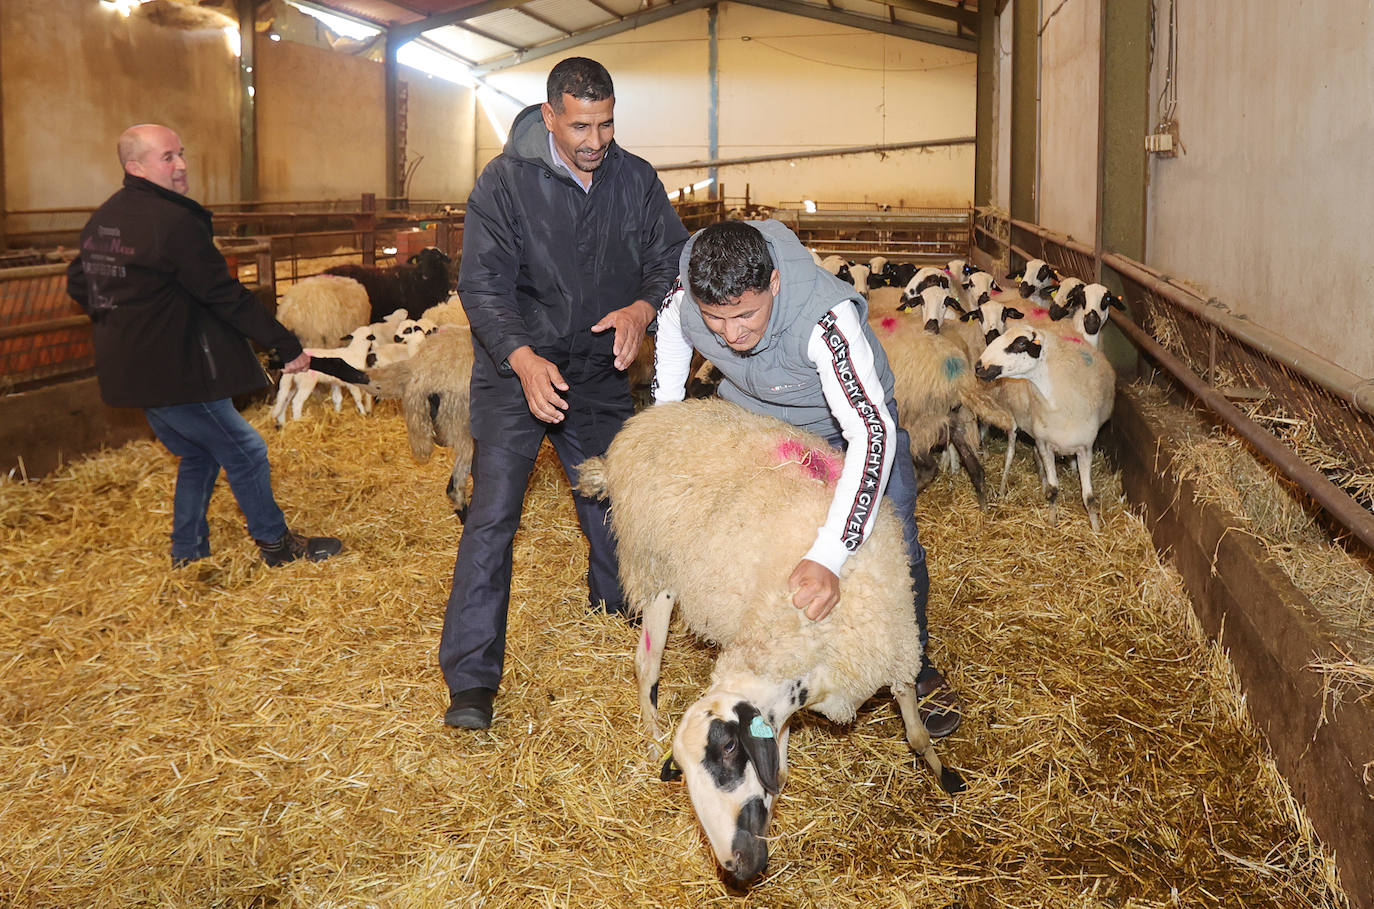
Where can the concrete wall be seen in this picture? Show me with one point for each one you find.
(787, 84)
(439, 128)
(74, 74)
(321, 119)
(1069, 63)
(1269, 208)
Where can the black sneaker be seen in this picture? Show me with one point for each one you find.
(293, 546)
(470, 708)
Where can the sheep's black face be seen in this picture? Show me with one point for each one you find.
(988, 373)
(732, 765)
(933, 325)
(1092, 322)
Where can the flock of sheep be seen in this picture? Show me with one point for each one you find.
(704, 476)
(1025, 362)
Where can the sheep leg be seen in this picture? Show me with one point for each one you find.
(357, 394)
(926, 469)
(1051, 480)
(336, 395)
(285, 386)
(305, 386)
(918, 739)
(959, 442)
(458, 478)
(1084, 457)
(653, 636)
(1006, 462)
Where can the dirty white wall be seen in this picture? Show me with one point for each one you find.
(439, 135)
(321, 118)
(1269, 208)
(75, 74)
(1070, 45)
(787, 84)
(1001, 166)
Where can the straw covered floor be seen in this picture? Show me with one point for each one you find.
(232, 735)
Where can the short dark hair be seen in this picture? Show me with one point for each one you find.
(727, 259)
(581, 77)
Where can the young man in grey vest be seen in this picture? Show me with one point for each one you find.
(792, 341)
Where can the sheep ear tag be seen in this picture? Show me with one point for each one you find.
(760, 729)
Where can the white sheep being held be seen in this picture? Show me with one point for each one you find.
(294, 389)
(1073, 390)
(692, 484)
(322, 309)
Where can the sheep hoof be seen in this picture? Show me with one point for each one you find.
(462, 512)
(952, 782)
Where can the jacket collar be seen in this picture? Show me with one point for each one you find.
(139, 184)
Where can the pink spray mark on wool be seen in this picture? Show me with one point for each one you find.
(1074, 338)
(820, 465)
(646, 641)
(1040, 312)
(889, 323)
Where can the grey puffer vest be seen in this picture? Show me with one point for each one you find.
(777, 378)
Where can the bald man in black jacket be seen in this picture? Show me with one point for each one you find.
(171, 329)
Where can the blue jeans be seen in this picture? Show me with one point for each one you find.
(207, 436)
(901, 490)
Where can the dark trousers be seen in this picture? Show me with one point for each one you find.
(901, 490)
(472, 646)
(207, 436)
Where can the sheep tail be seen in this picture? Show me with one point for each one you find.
(591, 478)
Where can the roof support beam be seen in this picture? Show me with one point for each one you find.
(543, 21)
(678, 7)
(967, 18)
(867, 23)
(403, 33)
(248, 133)
(656, 14)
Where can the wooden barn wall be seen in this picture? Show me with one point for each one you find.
(1272, 197)
(787, 84)
(1066, 196)
(76, 74)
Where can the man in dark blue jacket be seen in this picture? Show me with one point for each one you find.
(569, 242)
(171, 328)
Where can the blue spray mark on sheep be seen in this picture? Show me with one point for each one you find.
(954, 367)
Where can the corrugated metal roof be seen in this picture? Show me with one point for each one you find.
(503, 28)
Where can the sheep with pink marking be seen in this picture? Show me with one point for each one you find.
(712, 507)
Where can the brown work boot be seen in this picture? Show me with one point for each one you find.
(939, 706)
(293, 546)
